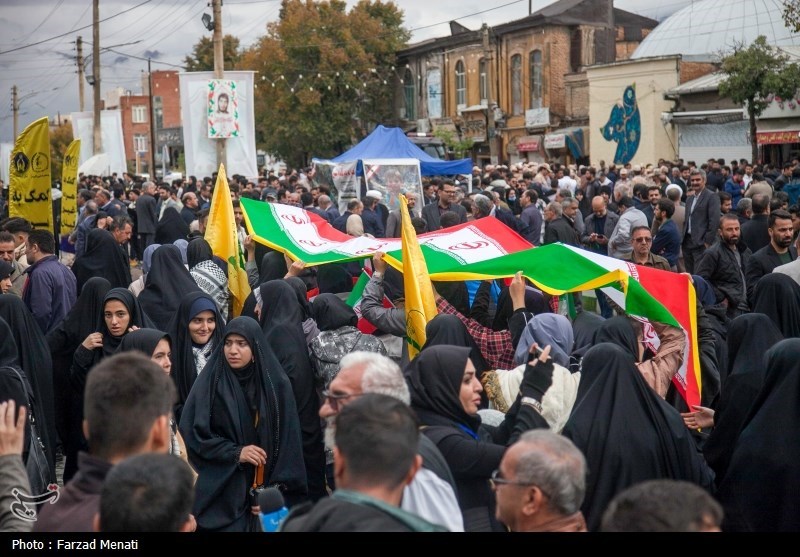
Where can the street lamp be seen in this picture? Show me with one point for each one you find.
(208, 23)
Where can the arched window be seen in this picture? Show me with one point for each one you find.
(410, 96)
(536, 79)
(461, 84)
(484, 80)
(516, 84)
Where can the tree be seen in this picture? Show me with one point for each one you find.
(754, 75)
(791, 14)
(325, 75)
(60, 138)
(459, 147)
(202, 57)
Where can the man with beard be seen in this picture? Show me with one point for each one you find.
(430, 494)
(723, 267)
(779, 251)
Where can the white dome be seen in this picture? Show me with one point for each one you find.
(704, 29)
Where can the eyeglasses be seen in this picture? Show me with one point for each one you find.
(496, 479)
(642, 240)
(334, 399)
(451, 192)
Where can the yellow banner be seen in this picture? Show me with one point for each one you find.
(419, 301)
(221, 236)
(29, 183)
(69, 187)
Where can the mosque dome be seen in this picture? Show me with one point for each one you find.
(705, 29)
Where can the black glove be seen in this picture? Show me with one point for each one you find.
(537, 378)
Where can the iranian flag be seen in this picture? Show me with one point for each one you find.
(487, 249)
(354, 301)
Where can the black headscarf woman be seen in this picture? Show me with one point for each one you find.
(12, 389)
(749, 337)
(198, 250)
(449, 330)
(63, 341)
(103, 258)
(167, 282)
(171, 227)
(778, 297)
(196, 331)
(619, 330)
(282, 323)
(218, 424)
(273, 267)
(759, 491)
(310, 328)
(33, 357)
(627, 432)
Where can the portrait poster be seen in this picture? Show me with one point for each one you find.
(392, 177)
(223, 109)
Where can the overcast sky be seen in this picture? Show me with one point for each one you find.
(166, 30)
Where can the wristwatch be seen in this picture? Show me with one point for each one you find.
(532, 402)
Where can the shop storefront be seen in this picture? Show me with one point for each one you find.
(567, 145)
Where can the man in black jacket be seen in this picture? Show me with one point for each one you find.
(702, 218)
(559, 227)
(146, 215)
(779, 251)
(755, 233)
(446, 202)
(723, 267)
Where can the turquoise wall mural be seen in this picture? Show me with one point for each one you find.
(624, 126)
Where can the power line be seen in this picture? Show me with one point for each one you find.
(73, 30)
(143, 58)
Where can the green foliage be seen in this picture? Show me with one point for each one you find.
(754, 73)
(324, 76)
(202, 57)
(459, 147)
(60, 138)
(791, 14)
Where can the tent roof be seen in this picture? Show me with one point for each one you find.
(392, 143)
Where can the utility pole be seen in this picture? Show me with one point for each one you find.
(79, 44)
(152, 168)
(97, 136)
(15, 109)
(219, 69)
(490, 131)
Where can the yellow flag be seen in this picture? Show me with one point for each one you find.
(29, 183)
(419, 300)
(69, 187)
(221, 236)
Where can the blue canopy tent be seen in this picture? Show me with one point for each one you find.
(391, 143)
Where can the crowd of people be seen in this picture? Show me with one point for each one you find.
(126, 365)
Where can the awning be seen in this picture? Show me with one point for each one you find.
(529, 143)
(778, 137)
(705, 116)
(571, 138)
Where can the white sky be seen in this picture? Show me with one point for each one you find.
(166, 30)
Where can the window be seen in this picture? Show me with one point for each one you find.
(484, 81)
(139, 114)
(140, 143)
(536, 79)
(516, 84)
(410, 97)
(461, 84)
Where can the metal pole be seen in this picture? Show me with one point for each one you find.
(80, 73)
(15, 109)
(490, 131)
(97, 136)
(219, 69)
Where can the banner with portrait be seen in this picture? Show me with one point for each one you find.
(341, 179)
(392, 177)
(223, 109)
(29, 184)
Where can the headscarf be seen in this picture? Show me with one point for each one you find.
(749, 337)
(171, 227)
(282, 323)
(456, 294)
(198, 250)
(8, 348)
(704, 291)
(778, 297)
(547, 329)
(619, 330)
(331, 313)
(143, 340)
(147, 257)
(211, 280)
(584, 327)
(167, 282)
(445, 329)
(216, 419)
(301, 291)
(102, 258)
(184, 371)
(434, 379)
(6, 270)
(759, 491)
(273, 267)
(626, 431)
(333, 279)
(33, 357)
(182, 244)
(138, 318)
